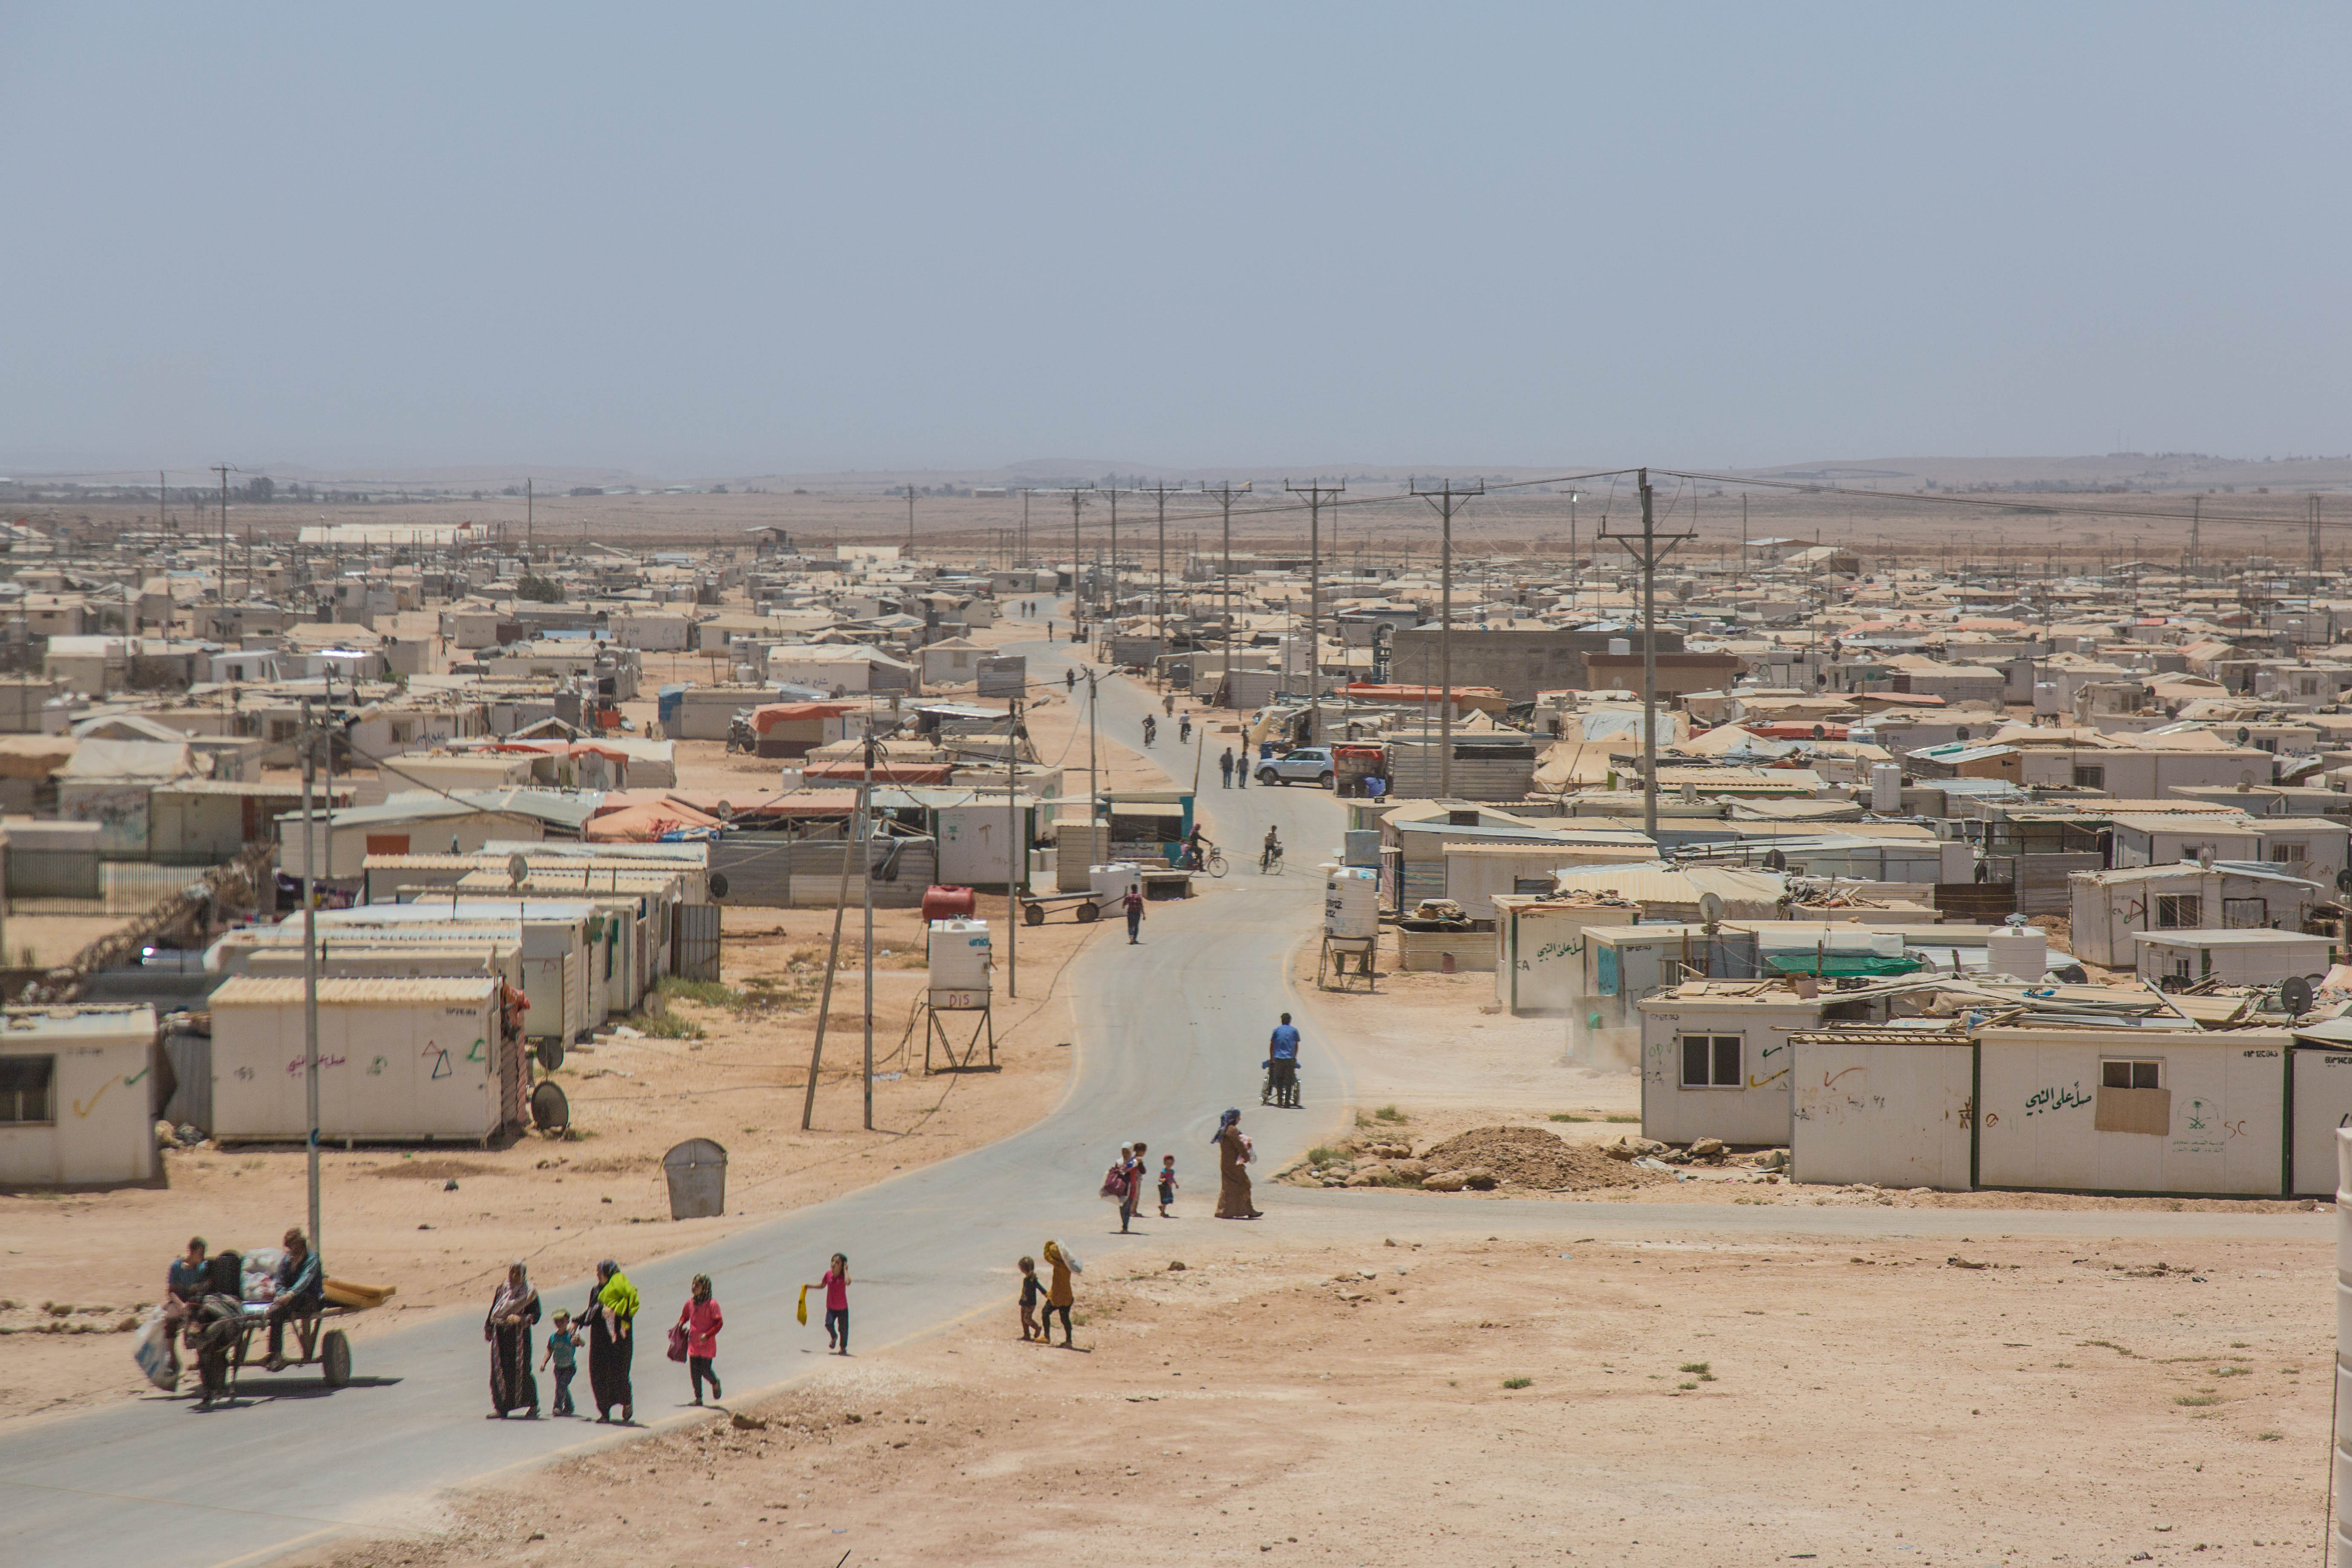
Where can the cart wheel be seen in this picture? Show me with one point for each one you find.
(1089, 913)
(550, 1054)
(335, 1359)
(550, 1111)
(1033, 914)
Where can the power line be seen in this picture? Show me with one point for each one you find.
(1649, 547)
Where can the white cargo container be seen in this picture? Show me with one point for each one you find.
(2232, 957)
(2323, 1102)
(2133, 1110)
(959, 956)
(1891, 1108)
(1716, 1057)
(399, 1060)
(75, 1093)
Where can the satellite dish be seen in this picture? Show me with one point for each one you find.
(1710, 909)
(550, 1054)
(1961, 733)
(719, 884)
(2294, 994)
(1773, 862)
(517, 869)
(2245, 778)
(1820, 733)
(2344, 881)
(2205, 859)
(2072, 975)
(724, 811)
(2245, 734)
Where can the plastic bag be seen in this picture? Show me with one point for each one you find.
(153, 1351)
(677, 1342)
(803, 1308)
(1072, 1259)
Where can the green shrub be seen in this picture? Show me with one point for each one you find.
(710, 993)
(1517, 1382)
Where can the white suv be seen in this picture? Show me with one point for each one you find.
(1308, 764)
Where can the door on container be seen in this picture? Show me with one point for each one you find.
(387, 843)
(698, 942)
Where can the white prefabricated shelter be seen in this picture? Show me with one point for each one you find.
(400, 1060)
(2133, 1109)
(1623, 964)
(552, 933)
(1715, 1059)
(76, 1091)
(1892, 1108)
(2232, 957)
(2320, 1071)
(2108, 906)
(1540, 948)
(977, 841)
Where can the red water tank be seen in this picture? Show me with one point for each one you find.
(945, 903)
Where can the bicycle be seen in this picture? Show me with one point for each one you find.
(1216, 863)
(1269, 863)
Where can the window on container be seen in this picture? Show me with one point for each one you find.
(2090, 778)
(2179, 911)
(2287, 853)
(2122, 1073)
(28, 1089)
(1712, 1061)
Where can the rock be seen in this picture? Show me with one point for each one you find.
(853, 1418)
(1364, 1179)
(1394, 1151)
(743, 1422)
(1444, 1182)
(1773, 1160)
(1481, 1179)
(1619, 1149)
(165, 1135)
(1409, 1171)
(1177, 1266)
(1701, 1148)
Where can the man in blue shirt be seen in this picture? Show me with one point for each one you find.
(300, 1287)
(1282, 1064)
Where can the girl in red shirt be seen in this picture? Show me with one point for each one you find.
(701, 1319)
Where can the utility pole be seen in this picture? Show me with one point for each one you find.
(529, 519)
(223, 470)
(1111, 590)
(910, 522)
(1016, 853)
(1648, 548)
(1223, 495)
(310, 966)
(2314, 539)
(866, 876)
(162, 503)
(1024, 554)
(2196, 517)
(1078, 562)
(1316, 494)
(1160, 493)
(1445, 499)
(1094, 790)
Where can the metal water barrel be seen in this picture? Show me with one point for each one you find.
(697, 1169)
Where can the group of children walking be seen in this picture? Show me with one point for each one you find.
(694, 1338)
(1125, 1183)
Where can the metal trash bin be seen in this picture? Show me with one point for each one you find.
(697, 1169)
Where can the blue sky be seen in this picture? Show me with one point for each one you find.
(700, 241)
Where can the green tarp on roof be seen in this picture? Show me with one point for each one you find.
(1835, 965)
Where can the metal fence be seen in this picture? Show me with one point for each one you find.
(119, 888)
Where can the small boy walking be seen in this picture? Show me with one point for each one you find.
(1167, 1183)
(562, 1350)
(1030, 1291)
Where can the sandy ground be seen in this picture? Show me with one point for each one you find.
(1691, 1402)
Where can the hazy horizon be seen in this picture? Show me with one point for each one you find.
(756, 241)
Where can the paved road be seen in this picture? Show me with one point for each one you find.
(1171, 1032)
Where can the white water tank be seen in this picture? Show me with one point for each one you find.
(1110, 883)
(2045, 697)
(1620, 647)
(1886, 788)
(2022, 952)
(1352, 902)
(959, 956)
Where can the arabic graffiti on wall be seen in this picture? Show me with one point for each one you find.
(2055, 1097)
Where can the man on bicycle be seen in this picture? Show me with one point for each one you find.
(1196, 850)
(1282, 1065)
(1269, 856)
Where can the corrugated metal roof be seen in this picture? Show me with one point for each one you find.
(22, 1022)
(1656, 884)
(276, 991)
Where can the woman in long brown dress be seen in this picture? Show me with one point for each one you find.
(1232, 1181)
(507, 1329)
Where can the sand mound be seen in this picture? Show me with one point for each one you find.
(1531, 1157)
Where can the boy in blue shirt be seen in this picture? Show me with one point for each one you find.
(563, 1347)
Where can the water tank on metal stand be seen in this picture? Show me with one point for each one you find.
(959, 956)
(1351, 903)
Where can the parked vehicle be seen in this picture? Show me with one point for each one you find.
(1308, 764)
